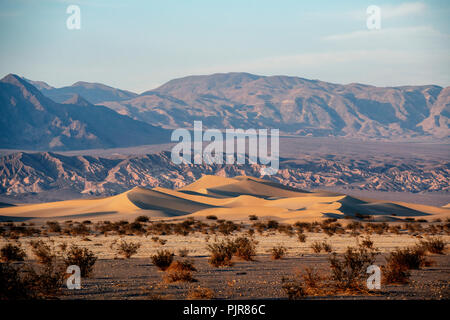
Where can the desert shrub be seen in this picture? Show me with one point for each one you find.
(380, 228)
(433, 245)
(227, 227)
(47, 281)
(400, 261)
(329, 221)
(53, 226)
(44, 254)
(20, 282)
(293, 288)
(272, 224)
(304, 226)
(12, 252)
(259, 226)
(317, 246)
(301, 237)
(432, 229)
(326, 247)
(13, 285)
(244, 248)
(200, 294)
(128, 249)
(82, 257)
(363, 216)
(311, 278)
(287, 229)
(180, 271)
(63, 246)
(182, 265)
(183, 252)
(211, 217)
(394, 229)
(367, 242)
(349, 272)
(142, 219)
(79, 229)
(16, 231)
(305, 283)
(135, 228)
(407, 258)
(221, 253)
(328, 229)
(185, 228)
(354, 226)
(278, 252)
(162, 259)
(395, 273)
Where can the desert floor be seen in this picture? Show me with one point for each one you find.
(137, 278)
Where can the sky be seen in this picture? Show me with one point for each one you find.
(139, 45)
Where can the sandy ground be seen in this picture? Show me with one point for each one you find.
(197, 243)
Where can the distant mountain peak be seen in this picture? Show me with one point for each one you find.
(91, 85)
(28, 91)
(91, 92)
(32, 121)
(13, 79)
(77, 100)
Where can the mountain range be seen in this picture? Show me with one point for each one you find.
(30, 120)
(37, 116)
(93, 92)
(295, 105)
(55, 176)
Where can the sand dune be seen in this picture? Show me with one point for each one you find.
(228, 198)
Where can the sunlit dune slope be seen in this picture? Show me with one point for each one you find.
(227, 198)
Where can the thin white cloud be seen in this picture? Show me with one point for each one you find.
(402, 10)
(393, 11)
(424, 31)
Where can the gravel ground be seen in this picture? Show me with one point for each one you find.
(138, 278)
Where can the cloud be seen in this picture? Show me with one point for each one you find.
(393, 11)
(424, 31)
(402, 10)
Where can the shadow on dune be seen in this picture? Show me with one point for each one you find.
(352, 206)
(6, 205)
(14, 219)
(170, 205)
